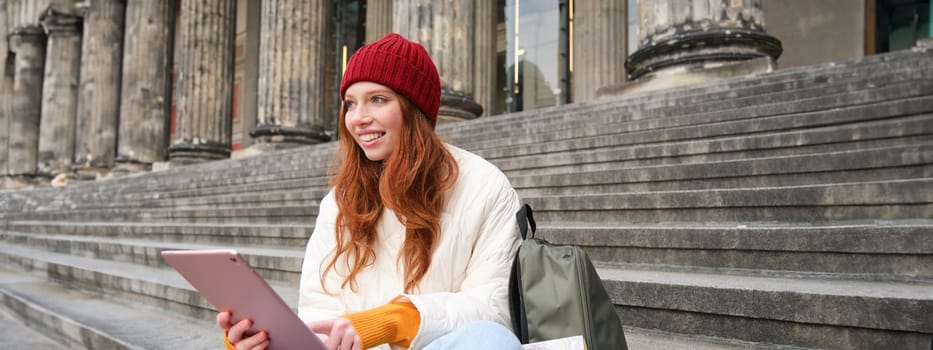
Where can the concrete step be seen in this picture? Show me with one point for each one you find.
(282, 264)
(632, 291)
(238, 174)
(804, 312)
(861, 165)
(272, 214)
(88, 321)
(653, 339)
(314, 161)
(21, 336)
(159, 288)
(625, 136)
(882, 200)
(595, 159)
(888, 163)
(224, 233)
(893, 102)
(836, 73)
(18, 335)
(883, 251)
(589, 123)
(867, 135)
(230, 198)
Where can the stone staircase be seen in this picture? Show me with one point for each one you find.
(786, 210)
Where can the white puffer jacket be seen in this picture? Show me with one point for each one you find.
(469, 272)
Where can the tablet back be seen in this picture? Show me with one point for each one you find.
(228, 282)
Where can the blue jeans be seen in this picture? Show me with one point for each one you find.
(478, 335)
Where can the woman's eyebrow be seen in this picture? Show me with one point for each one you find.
(370, 93)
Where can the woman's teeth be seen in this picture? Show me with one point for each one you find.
(370, 137)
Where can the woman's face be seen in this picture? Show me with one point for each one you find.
(374, 118)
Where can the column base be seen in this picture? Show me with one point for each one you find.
(16, 182)
(188, 153)
(700, 47)
(688, 75)
(457, 107)
(287, 136)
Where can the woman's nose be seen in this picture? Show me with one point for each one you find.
(358, 116)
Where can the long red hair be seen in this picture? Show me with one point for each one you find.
(411, 182)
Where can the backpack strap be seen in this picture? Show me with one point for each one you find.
(525, 217)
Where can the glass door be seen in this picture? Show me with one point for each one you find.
(537, 53)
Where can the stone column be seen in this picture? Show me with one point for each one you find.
(600, 40)
(446, 29)
(378, 19)
(484, 58)
(99, 94)
(291, 74)
(145, 96)
(204, 86)
(28, 43)
(691, 36)
(6, 89)
(59, 92)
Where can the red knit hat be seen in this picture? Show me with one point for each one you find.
(402, 65)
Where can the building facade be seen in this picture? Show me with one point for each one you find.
(98, 87)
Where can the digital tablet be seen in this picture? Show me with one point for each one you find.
(228, 282)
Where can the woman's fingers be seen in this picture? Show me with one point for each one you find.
(261, 346)
(223, 319)
(340, 334)
(236, 332)
(350, 341)
(257, 341)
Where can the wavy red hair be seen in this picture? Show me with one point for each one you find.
(411, 182)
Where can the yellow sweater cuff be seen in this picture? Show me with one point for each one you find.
(227, 342)
(394, 323)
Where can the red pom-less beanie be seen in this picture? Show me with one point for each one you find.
(402, 65)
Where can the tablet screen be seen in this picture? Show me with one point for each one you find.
(229, 283)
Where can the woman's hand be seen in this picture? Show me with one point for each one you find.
(340, 334)
(236, 333)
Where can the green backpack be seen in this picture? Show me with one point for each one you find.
(554, 292)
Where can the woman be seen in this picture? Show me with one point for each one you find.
(413, 246)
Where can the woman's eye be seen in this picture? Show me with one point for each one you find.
(378, 99)
(348, 104)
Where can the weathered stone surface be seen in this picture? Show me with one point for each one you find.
(291, 76)
(682, 33)
(145, 98)
(99, 94)
(6, 89)
(25, 13)
(600, 40)
(204, 87)
(484, 84)
(447, 32)
(378, 19)
(28, 43)
(59, 93)
(85, 321)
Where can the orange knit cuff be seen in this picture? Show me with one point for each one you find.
(394, 323)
